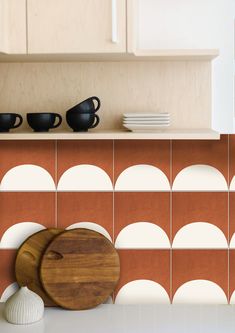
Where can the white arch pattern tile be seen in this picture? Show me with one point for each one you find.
(85, 177)
(232, 298)
(91, 226)
(142, 235)
(232, 242)
(200, 292)
(232, 184)
(142, 292)
(9, 291)
(200, 178)
(27, 177)
(17, 233)
(142, 177)
(200, 235)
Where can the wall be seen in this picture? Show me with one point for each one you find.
(121, 86)
(188, 24)
(166, 205)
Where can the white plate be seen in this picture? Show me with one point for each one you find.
(146, 122)
(147, 118)
(140, 115)
(145, 128)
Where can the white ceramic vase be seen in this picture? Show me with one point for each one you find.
(24, 307)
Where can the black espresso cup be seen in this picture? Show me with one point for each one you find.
(43, 121)
(87, 106)
(81, 122)
(8, 121)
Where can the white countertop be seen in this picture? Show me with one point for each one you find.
(132, 319)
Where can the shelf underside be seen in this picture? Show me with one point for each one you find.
(169, 134)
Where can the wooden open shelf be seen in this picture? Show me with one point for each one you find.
(139, 55)
(170, 134)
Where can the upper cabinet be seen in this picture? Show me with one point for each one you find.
(76, 26)
(13, 26)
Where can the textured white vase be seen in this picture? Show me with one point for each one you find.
(24, 307)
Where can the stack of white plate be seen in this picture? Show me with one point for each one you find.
(146, 122)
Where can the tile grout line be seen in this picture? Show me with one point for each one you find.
(228, 152)
(113, 216)
(56, 179)
(171, 218)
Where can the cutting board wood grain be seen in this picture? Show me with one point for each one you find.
(80, 269)
(28, 261)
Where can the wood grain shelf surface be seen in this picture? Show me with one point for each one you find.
(169, 134)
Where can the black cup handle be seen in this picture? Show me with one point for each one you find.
(59, 122)
(20, 122)
(97, 120)
(98, 103)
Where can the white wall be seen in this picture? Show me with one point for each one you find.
(196, 24)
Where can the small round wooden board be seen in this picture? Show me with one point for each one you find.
(28, 261)
(80, 269)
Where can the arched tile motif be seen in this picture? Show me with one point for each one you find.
(73, 207)
(142, 292)
(232, 242)
(92, 152)
(85, 177)
(206, 264)
(148, 264)
(200, 235)
(200, 178)
(142, 177)
(135, 152)
(153, 207)
(232, 298)
(9, 291)
(210, 207)
(27, 177)
(28, 152)
(200, 152)
(16, 234)
(91, 226)
(142, 235)
(232, 184)
(16, 207)
(200, 292)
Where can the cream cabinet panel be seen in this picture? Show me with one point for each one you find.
(13, 26)
(76, 26)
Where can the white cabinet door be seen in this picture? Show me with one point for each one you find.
(13, 26)
(194, 24)
(76, 26)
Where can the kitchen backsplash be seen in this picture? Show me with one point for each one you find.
(168, 206)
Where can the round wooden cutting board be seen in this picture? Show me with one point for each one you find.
(28, 260)
(80, 269)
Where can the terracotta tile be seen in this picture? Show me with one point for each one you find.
(209, 152)
(199, 264)
(133, 152)
(18, 207)
(231, 156)
(133, 207)
(98, 153)
(94, 207)
(188, 207)
(231, 272)
(231, 214)
(7, 268)
(40, 153)
(145, 264)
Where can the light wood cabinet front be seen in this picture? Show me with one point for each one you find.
(76, 26)
(13, 26)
